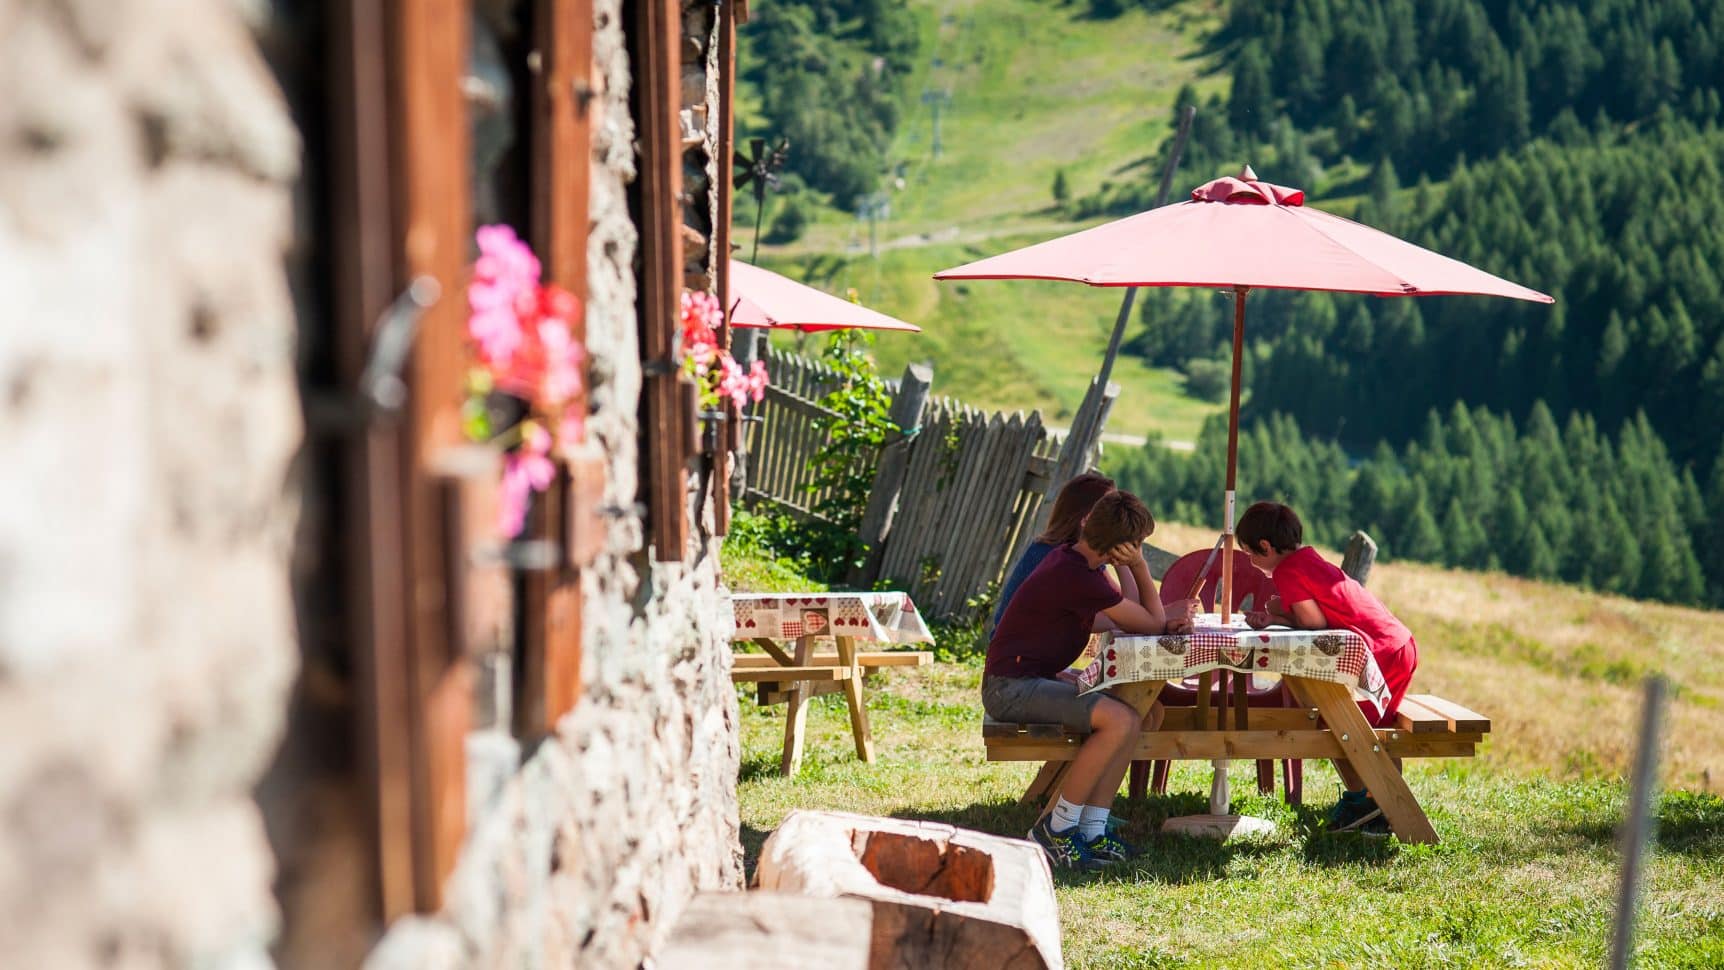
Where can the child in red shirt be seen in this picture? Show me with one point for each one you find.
(1313, 594)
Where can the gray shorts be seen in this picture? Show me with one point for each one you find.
(1038, 700)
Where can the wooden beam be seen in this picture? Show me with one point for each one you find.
(655, 32)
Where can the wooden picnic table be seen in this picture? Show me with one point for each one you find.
(787, 625)
(1322, 668)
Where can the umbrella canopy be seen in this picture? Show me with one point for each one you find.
(1240, 234)
(1243, 232)
(765, 299)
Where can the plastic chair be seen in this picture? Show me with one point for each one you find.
(1253, 588)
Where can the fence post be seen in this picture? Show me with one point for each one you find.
(876, 525)
(1077, 451)
(1638, 827)
(1360, 554)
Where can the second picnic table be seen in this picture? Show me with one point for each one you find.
(793, 676)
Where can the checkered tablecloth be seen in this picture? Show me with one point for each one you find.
(1341, 656)
(884, 617)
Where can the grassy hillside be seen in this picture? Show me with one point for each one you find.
(1094, 101)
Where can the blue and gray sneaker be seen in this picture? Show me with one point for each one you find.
(1353, 811)
(1110, 848)
(1066, 850)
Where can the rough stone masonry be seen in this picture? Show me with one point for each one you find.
(148, 417)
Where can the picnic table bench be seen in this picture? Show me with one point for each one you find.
(786, 627)
(1327, 723)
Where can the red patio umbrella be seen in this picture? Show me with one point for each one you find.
(1240, 234)
(763, 298)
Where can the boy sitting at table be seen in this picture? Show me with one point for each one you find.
(1044, 628)
(1313, 594)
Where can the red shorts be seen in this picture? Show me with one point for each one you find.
(1397, 666)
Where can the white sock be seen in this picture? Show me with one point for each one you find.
(1093, 822)
(1066, 815)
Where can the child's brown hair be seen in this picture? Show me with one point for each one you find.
(1117, 517)
(1075, 500)
(1272, 522)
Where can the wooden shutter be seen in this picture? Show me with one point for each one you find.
(561, 137)
(433, 223)
(399, 212)
(655, 32)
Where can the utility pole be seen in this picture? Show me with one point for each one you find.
(874, 207)
(936, 99)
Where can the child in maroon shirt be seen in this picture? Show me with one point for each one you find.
(1042, 631)
(1313, 594)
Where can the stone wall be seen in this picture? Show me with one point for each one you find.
(148, 418)
(587, 855)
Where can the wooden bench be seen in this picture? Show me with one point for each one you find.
(824, 673)
(1425, 727)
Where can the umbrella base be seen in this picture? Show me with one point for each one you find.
(1220, 827)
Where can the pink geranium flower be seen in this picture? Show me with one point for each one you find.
(525, 471)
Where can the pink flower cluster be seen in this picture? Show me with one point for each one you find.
(523, 335)
(718, 374)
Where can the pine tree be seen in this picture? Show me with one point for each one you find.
(1061, 191)
(1419, 538)
(1464, 541)
(1251, 104)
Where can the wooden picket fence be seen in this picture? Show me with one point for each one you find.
(787, 433)
(971, 488)
(967, 505)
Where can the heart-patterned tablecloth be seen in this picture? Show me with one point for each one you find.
(1341, 656)
(882, 617)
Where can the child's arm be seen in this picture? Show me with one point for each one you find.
(1147, 615)
(1307, 615)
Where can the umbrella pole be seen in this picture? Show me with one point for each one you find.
(1232, 453)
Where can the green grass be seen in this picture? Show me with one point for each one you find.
(1037, 87)
(1525, 875)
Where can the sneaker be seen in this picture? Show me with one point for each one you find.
(1353, 810)
(1110, 848)
(1066, 850)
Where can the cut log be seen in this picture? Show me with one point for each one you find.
(769, 931)
(942, 896)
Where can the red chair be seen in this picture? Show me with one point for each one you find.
(1253, 589)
